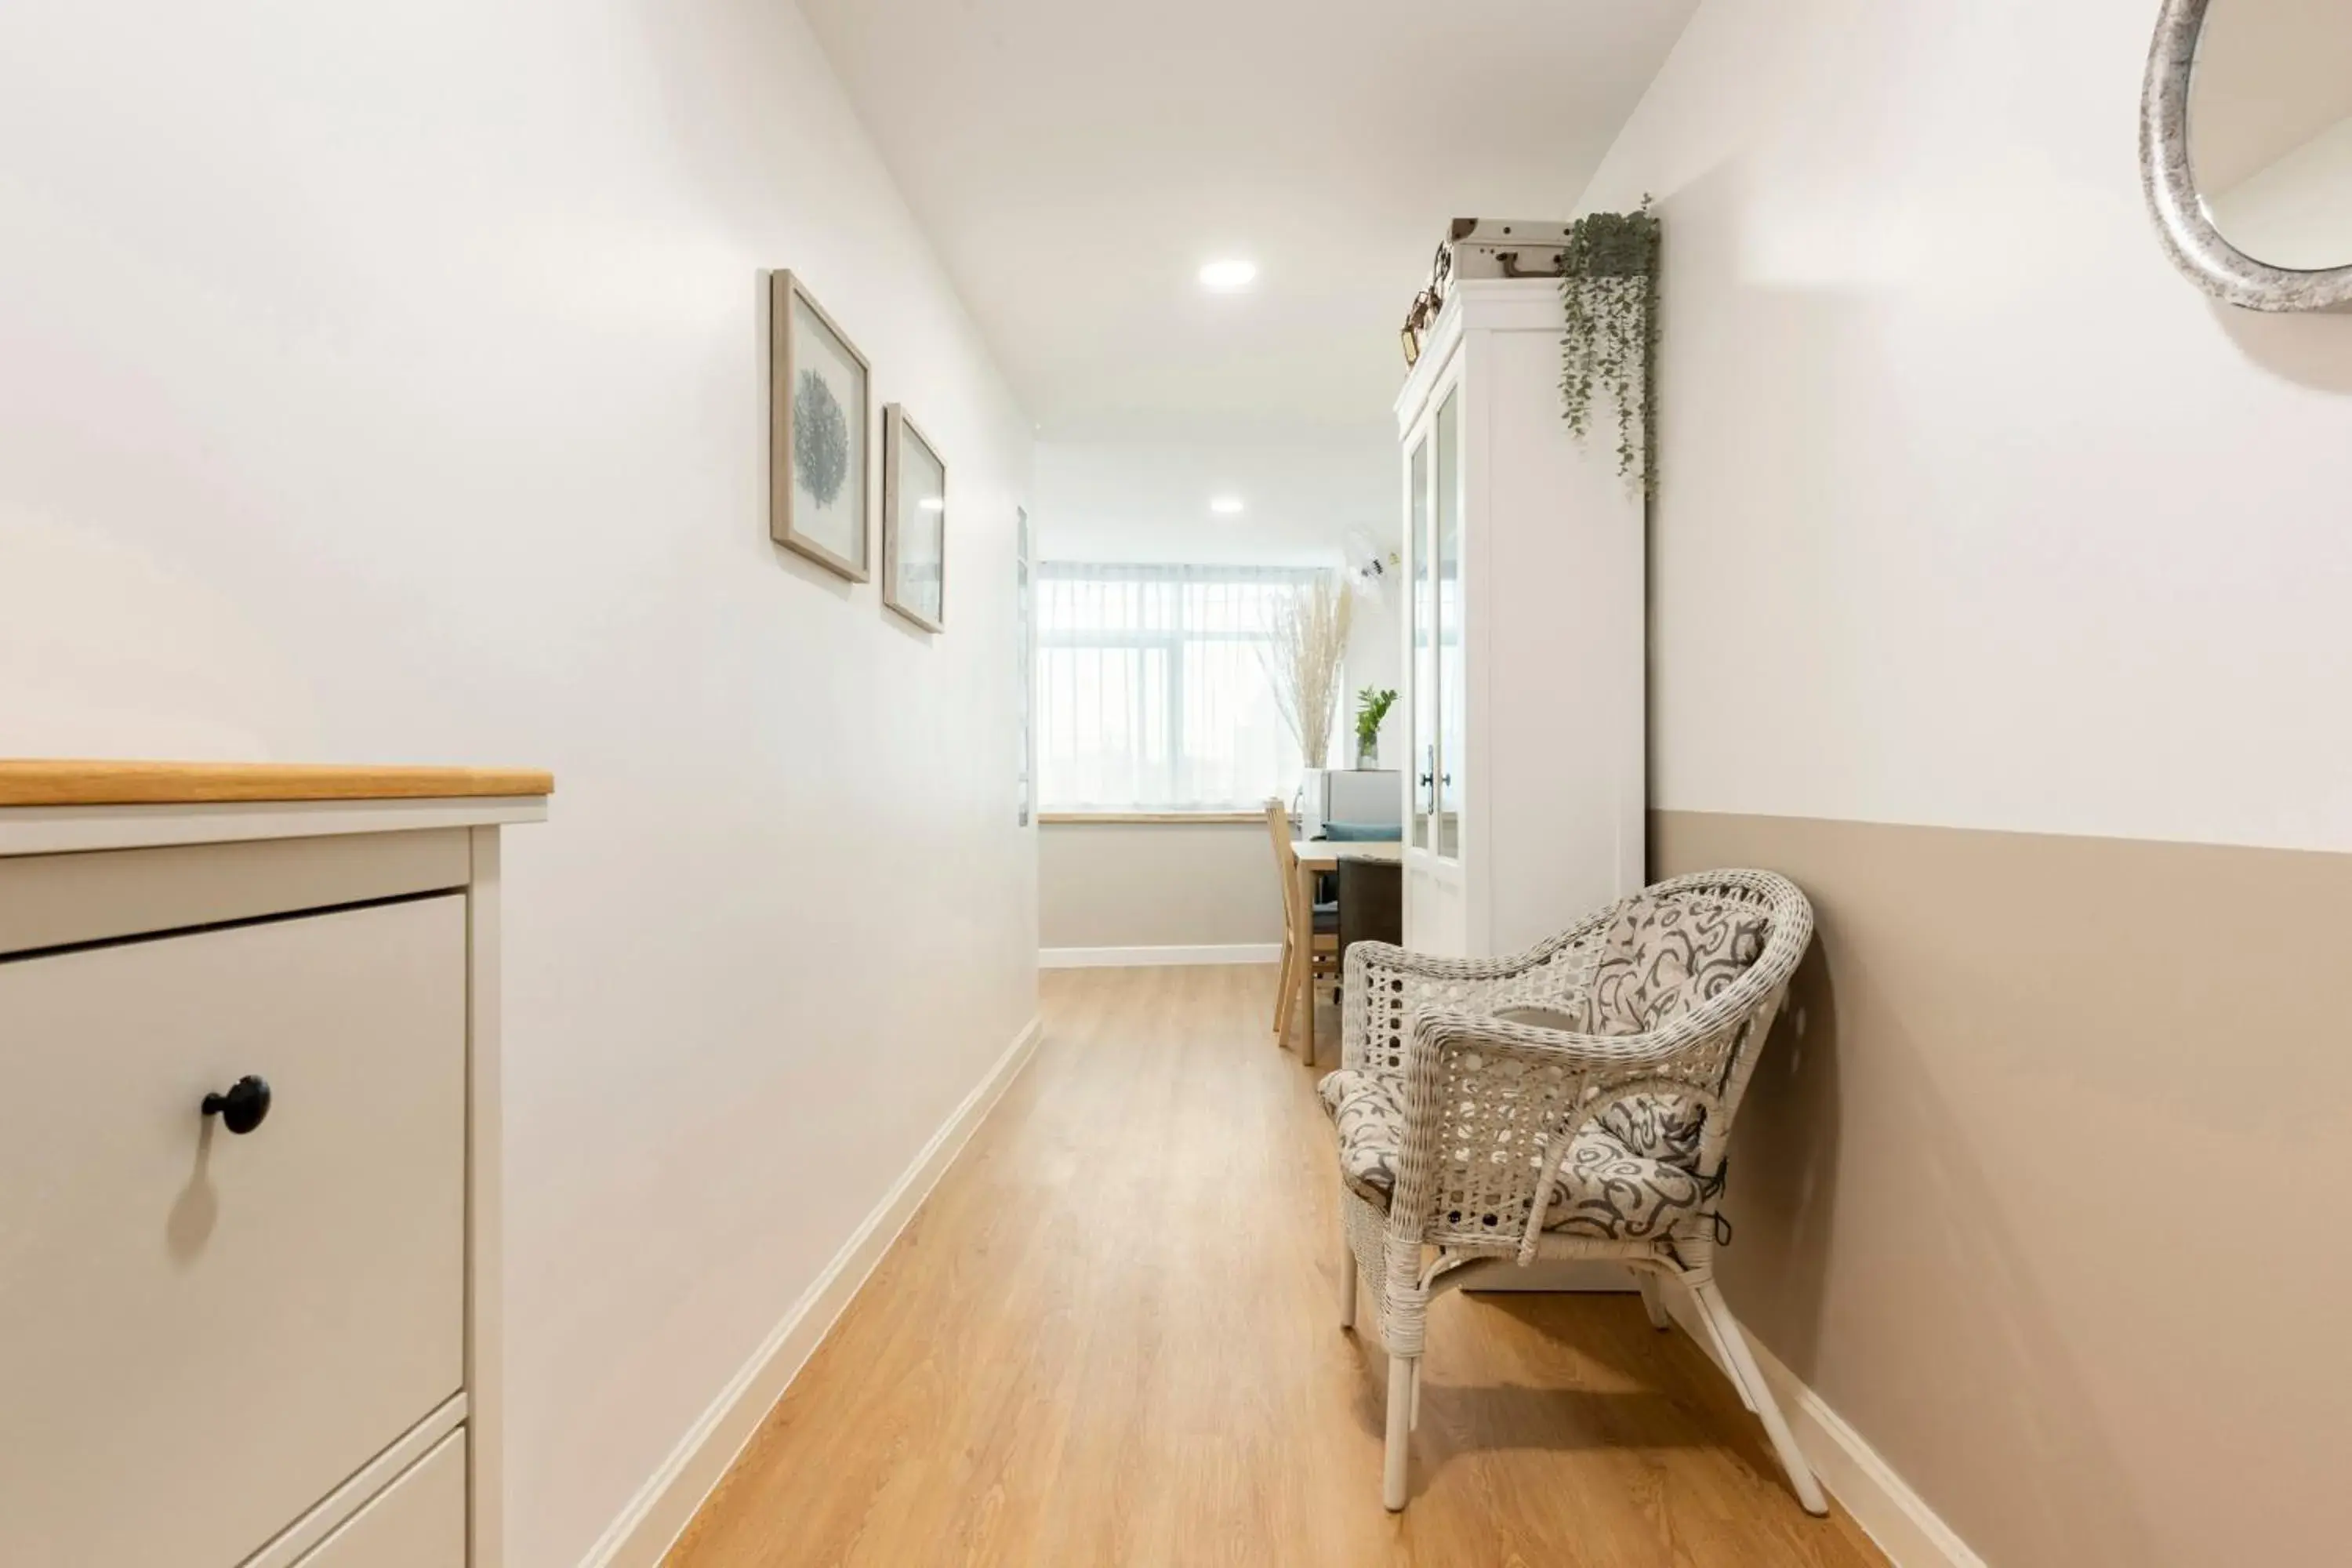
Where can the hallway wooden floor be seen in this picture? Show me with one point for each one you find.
(1110, 1337)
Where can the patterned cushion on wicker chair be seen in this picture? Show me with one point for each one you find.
(1604, 1188)
(1658, 1127)
(1662, 957)
(1368, 1113)
(1655, 1126)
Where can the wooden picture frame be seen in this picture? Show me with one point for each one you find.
(914, 523)
(820, 475)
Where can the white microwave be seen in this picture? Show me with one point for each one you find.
(1371, 796)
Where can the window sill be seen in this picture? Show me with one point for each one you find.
(1149, 818)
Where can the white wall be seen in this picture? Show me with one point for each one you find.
(1116, 884)
(1975, 512)
(388, 385)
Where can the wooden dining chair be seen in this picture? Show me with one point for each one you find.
(1320, 961)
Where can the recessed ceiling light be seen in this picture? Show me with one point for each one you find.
(1228, 277)
(1226, 506)
(932, 503)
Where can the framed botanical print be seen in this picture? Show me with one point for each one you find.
(820, 409)
(914, 523)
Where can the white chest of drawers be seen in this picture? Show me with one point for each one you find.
(248, 1193)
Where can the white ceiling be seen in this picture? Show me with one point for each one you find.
(1076, 162)
(1098, 501)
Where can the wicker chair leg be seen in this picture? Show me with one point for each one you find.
(1413, 1421)
(1401, 1372)
(1758, 1395)
(1348, 1279)
(1717, 1350)
(1653, 1299)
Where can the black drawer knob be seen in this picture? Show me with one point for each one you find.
(242, 1109)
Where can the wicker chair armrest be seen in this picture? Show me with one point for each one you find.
(1430, 968)
(1417, 981)
(1435, 1028)
(1409, 982)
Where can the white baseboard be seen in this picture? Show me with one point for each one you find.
(1152, 957)
(663, 1507)
(1850, 1469)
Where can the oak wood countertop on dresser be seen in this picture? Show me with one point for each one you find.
(97, 783)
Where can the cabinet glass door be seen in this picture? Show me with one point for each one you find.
(1451, 685)
(1423, 676)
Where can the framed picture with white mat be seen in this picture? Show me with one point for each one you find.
(820, 411)
(914, 523)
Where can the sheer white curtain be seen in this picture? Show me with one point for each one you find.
(1152, 690)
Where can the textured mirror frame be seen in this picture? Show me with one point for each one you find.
(2196, 247)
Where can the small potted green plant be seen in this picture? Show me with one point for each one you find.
(1372, 706)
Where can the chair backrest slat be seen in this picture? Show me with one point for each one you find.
(1285, 858)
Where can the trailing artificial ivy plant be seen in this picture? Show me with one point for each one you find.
(1608, 286)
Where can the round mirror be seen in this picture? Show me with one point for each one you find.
(2245, 137)
(2269, 129)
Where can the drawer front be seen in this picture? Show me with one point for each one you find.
(418, 1521)
(202, 1334)
(61, 900)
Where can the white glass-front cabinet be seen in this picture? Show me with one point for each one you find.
(1525, 638)
(1420, 657)
(1434, 522)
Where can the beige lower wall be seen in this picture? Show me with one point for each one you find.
(1156, 885)
(2041, 1182)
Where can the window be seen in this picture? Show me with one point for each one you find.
(1152, 688)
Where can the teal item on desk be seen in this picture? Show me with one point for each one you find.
(1363, 832)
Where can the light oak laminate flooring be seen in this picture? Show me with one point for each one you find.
(1110, 1337)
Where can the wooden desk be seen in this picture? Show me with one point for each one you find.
(1313, 855)
(1323, 855)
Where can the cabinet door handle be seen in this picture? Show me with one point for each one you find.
(244, 1107)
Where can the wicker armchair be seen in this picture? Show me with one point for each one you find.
(1574, 1100)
